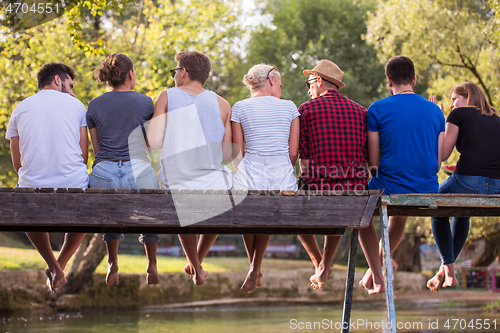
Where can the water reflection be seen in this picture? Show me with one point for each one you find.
(366, 317)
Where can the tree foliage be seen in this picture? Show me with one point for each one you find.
(150, 32)
(450, 41)
(302, 32)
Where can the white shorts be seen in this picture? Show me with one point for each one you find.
(257, 172)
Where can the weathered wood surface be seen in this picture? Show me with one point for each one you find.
(442, 205)
(154, 211)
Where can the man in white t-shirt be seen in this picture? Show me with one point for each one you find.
(49, 148)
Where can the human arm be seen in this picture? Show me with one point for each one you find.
(373, 151)
(238, 140)
(15, 153)
(227, 140)
(94, 138)
(449, 140)
(304, 165)
(84, 144)
(304, 144)
(155, 130)
(293, 140)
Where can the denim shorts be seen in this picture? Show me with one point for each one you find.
(470, 184)
(132, 174)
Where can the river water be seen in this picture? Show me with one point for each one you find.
(366, 317)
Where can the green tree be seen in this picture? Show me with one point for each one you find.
(150, 32)
(302, 32)
(449, 41)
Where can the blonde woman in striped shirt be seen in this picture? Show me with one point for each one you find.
(266, 129)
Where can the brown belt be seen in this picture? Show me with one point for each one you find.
(120, 161)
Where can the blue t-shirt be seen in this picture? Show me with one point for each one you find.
(409, 127)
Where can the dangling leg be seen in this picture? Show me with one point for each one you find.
(255, 274)
(112, 277)
(204, 245)
(309, 243)
(188, 242)
(55, 274)
(459, 232)
(324, 270)
(373, 281)
(150, 242)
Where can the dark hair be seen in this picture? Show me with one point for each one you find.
(48, 71)
(475, 97)
(400, 70)
(196, 63)
(114, 69)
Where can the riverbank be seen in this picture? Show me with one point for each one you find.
(26, 290)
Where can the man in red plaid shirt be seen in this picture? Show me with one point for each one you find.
(333, 153)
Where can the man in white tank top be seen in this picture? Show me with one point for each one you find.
(49, 148)
(202, 122)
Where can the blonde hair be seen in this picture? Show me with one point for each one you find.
(475, 98)
(258, 75)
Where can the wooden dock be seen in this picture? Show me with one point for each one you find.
(218, 212)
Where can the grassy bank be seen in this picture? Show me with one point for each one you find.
(19, 259)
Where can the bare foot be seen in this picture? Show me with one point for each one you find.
(367, 280)
(259, 280)
(318, 280)
(187, 269)
(436, 282)
(112, 278)
(376, 289)
(370, 285)
(450, 281)
(152, 277)
(56, 279)
(199, 279)
(449, 276)
(251, 281)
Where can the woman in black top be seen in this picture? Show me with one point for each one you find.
(473, 126)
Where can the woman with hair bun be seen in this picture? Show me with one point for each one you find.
(473, 126)
(266, 129)
(115, 120)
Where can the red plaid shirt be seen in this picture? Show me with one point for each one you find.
(333, 138)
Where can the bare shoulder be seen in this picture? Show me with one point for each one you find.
(225, 107)
(161, 104)
(162, 96)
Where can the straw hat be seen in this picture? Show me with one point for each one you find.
(329, 71)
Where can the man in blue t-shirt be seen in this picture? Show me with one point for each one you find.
(405, 136)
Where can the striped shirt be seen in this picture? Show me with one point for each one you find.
(265, 122)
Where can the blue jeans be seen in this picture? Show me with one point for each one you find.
(451, 239)
(131, 174)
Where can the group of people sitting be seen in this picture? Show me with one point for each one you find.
(399, 141)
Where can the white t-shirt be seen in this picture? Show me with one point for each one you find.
(48, 125)
(265, 122)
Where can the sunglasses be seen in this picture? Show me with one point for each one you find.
(308, 82)
(272, 69)
(172, 71)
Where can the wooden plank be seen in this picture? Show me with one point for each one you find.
(370, 210)
(264, 212)
(444, 200)
(442, 205)
(441, 211)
